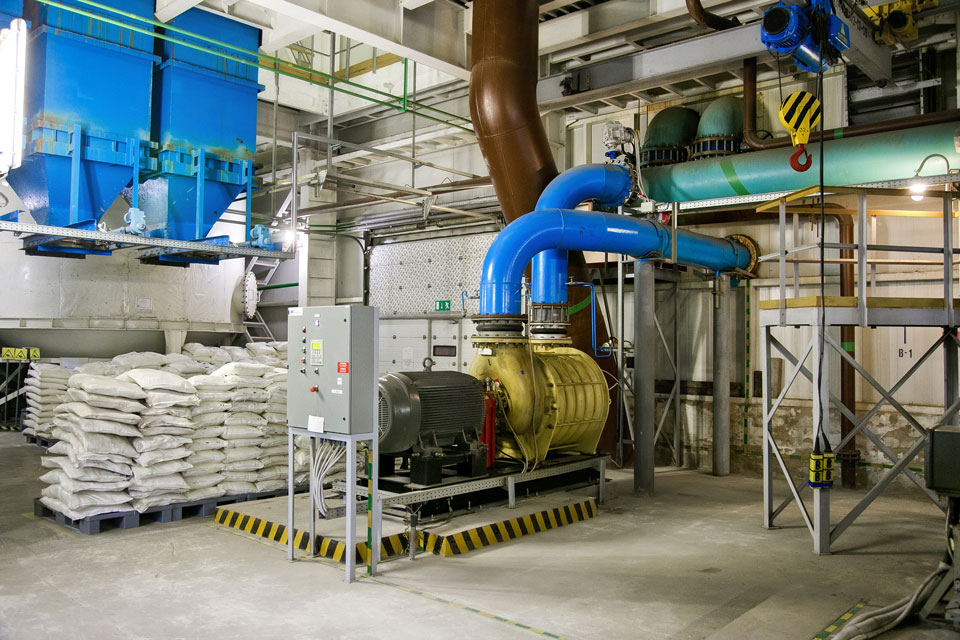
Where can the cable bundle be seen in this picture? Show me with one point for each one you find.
(328, 455)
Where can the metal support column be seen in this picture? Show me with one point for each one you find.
(821, 421)
(350, 504)
(645, 351)
(722, 355)
(950, 375)
(767, 438)
(677, 420)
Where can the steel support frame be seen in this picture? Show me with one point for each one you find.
(350, 442)
(819, 523)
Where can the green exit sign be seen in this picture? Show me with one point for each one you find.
(442, 305)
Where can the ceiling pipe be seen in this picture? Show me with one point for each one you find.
(503, 102)
(759, 144)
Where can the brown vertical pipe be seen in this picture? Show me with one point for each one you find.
(506, 119)
(848, 387)
(707, 19)
(757, 144)
(503, 103)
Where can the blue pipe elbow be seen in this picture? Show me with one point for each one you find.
(566, 230)
(608, 184)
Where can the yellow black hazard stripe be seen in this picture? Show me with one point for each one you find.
(839, 622)
(329, 548)
(448, 546)
(800, 107)
(463, 542)
(9, 427)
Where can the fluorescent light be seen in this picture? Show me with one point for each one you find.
(13, 65)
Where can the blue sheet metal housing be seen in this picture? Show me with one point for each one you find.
(204, 115)
(10, 10)
(72, 105)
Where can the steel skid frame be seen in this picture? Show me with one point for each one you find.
(866, 313)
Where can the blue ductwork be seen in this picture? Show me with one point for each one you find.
(608, 184)
(567, 230)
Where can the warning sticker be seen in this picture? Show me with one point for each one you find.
(343, 367)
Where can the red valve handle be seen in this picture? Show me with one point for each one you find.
(796, 164)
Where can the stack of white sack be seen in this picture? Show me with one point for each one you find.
(264, 353)
(183, 365)
(207, 449)
(281, 349)
(241, 434)
(273, 475)
(238, 354)
(211, 357)
(166, 429)
(46, 385)
(92, 464)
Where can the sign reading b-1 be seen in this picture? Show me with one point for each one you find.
(20, 354)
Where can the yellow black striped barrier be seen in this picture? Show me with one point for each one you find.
(329, 548)
(463, 542)
(447, 546)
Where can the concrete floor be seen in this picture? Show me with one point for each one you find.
(692, 562)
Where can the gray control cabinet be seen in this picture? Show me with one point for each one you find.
(332, 383)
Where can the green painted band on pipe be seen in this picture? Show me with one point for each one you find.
(731, 175)
(282, 285)
(402, 101)
(849, 347)
(864, 159)
(580, 306)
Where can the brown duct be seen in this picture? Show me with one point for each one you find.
(758, 144)
(848, 337)
(713, 21)
(503, 103)
(506, 119)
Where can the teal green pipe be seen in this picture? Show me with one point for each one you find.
(723, 118)
(873, 158)
(672, 127)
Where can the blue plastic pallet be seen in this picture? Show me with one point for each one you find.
(93, 525)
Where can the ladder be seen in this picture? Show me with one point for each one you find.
(255, 329)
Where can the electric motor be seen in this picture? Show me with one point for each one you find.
(422, 410)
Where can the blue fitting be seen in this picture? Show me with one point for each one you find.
(136, 222)
(608, 184)
(260, 237)
(566, 230)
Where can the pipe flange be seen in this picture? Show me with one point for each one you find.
(548, 339)
(499, 325)
(714, 147)
(659, 156)
(752, 246)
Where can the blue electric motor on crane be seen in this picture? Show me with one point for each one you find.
(809, 31)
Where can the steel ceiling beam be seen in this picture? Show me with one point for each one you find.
(651, 68)
(437, 42)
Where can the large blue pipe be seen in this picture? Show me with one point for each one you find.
(608, 184)
(567, 230)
